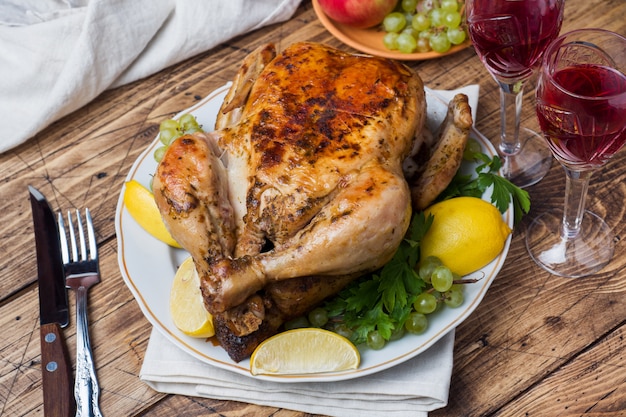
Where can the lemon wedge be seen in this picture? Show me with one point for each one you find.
(466, 234)
(140, 204)
(187, 305)
(304, 351)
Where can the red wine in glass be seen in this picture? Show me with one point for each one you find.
(581, 106)
(586, 126)
(510, 37)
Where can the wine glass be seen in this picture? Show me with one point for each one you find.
(510, 36)
(581, 106)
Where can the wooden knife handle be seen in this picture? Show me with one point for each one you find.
(58, 399)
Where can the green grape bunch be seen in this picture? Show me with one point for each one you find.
(171, 129)
(425, 25)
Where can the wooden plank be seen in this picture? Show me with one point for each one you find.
(176, 406)
(593, 384)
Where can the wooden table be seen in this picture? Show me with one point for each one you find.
(538, 345)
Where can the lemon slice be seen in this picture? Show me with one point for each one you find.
(304, 351)
(140, 204)
(187, 305)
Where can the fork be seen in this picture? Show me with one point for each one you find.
(80, 274)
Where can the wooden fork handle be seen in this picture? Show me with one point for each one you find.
(58, 399)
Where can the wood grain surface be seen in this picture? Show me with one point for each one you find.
(538, 345)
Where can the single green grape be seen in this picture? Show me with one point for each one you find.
(409, 5)
(425, 303)
(452, 19)
(188, 121)
(410, 30)
(442, 278)
(439, 42)
(449, 5)
(397, 333)
(426, 34)
(169, 124)
(427, 266)
(375, 340)
(343, 330)
(168, 135)
(436, 17)
(406, 43)
(159, 153)
(453, 298)
(193, 129)
(416, 323)
(318, 317)
(422, 45)
(420, 22)
(456, 36)
(408, 17)
(390, 40)
(472, 147)
(297, 323)
(394, 22)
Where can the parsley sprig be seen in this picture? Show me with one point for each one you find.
(383, 300)
(504, 192)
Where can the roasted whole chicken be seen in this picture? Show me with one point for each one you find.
(300, 188)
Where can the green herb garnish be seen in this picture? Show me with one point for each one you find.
(382, 301)
(504, 192)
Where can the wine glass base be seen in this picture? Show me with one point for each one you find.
(531, 163)
(587, 253)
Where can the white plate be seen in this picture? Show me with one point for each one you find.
(148, 267)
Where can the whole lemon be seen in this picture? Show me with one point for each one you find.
(466, 234)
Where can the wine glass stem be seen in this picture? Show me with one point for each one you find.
(510, 114)
(576, 186)
(510, 111)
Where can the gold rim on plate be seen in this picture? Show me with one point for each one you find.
(370, 41)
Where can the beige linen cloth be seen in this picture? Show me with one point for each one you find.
(410, 389)
(58, 55)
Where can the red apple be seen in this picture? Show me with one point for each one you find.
(358, 13)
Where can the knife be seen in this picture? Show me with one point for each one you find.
(58, 400)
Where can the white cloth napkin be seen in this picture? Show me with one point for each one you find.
(58, 55)
(410, 389)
